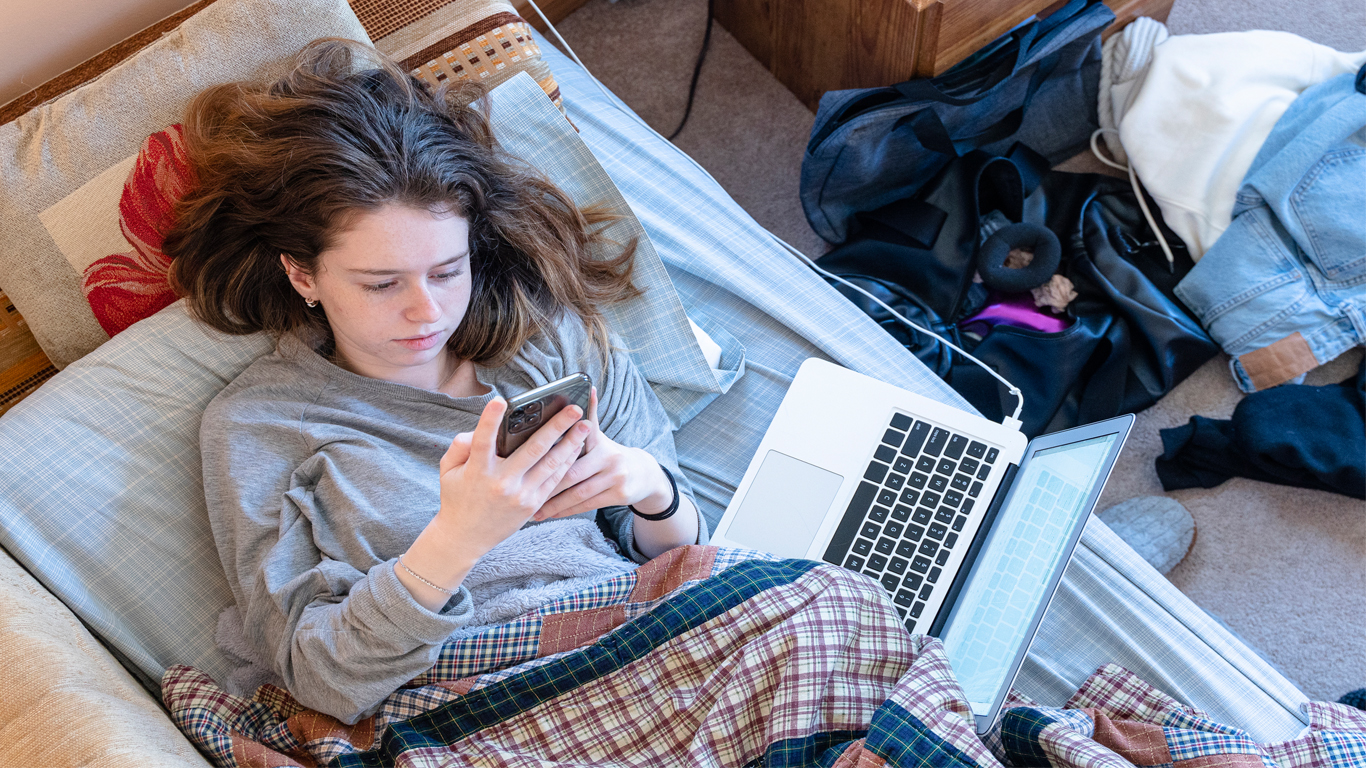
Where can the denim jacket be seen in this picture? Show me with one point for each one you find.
(1283, 290)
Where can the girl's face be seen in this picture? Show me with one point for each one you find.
(395, 286)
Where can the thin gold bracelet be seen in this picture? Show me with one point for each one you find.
(417, 576)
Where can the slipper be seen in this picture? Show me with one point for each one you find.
(1158, 528)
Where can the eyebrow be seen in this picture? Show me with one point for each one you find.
(387, 272)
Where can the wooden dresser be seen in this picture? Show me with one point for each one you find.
(814, 46)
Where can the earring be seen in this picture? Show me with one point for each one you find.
(311, 303)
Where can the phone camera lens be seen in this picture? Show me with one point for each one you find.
(534, 407)
(532, 419)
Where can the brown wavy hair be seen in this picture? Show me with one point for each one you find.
(282, 167)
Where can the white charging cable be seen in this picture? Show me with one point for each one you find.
(1142, 203)
(1012, 421)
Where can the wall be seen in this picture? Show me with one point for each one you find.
(44, 38)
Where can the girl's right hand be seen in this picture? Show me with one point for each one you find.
(486, 498)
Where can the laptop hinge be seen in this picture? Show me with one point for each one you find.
(970, 557)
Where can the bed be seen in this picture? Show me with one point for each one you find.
(117, 588)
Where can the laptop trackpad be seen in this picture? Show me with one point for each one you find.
(785, 506)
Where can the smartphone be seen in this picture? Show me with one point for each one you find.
(528, 411)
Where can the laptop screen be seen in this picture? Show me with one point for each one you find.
(1018, 566)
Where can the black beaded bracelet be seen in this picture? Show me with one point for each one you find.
(666, 514)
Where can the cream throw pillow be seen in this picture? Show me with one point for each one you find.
(54, 151)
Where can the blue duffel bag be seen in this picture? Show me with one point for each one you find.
(1036, 86)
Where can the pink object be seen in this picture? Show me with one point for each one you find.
(1015, 310)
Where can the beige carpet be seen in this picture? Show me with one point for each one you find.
(1285, 568)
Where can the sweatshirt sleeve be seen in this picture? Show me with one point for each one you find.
(630, 414)
(341, 638)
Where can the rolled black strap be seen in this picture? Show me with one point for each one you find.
(991, 260)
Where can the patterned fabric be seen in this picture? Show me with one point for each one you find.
(126, 287)
(443, 41)
(742, 660)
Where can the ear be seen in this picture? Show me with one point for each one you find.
(301, 280)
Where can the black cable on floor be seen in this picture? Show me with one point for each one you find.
(697, 70)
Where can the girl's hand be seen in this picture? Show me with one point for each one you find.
(608, 474)
(486, 498)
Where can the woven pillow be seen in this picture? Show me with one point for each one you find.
(483, 41)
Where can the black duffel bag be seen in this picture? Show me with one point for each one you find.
(1129, 339)
(1035, 85)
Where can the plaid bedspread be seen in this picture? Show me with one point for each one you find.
(720, 657)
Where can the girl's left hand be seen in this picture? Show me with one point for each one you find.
(608, 474)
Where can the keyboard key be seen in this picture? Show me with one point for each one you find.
(871, 572)
(894, 481)
(878, 515)
(904, 598)
(934, 575)
(853, 563)
(893, 438)
(876, 563)
(939, 483)
(885, 453)
(886, 498)
(967, 506)
(915, 438)
(912, 581)
(975, 489)
(893, 530)
(944, 515)
(930, 499)
(976, 449)
(937, 531)
(920, 564)
(922, 515)
(901, 612)
(950, 540)
(870, 531)
(902, 464)
(926, 591)
(969, 465)
(897, 565)
(954, 449)
(890, 582)
(918, 480)
(961, 482)
(902, 513)
(875, 472)
(910, 496)
(901, 421)
(946, 467)
(953, 498)
(906, 548)
(928, 547)
(925, 464)
(863, 547)
(938, 437)
(885, 546)
(991, 456)
(914, 534)
(916, 610)
(943, 556)
(959, 522)
(983, 472)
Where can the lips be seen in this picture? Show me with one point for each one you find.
(418, 343)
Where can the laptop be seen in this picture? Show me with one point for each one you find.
(964, 523)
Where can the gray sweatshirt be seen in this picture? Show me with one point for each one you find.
(317, 479)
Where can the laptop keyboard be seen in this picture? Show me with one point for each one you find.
(903, 522)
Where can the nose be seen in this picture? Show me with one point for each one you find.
(421, 305)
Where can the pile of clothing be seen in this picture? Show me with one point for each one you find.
(1253, 145)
